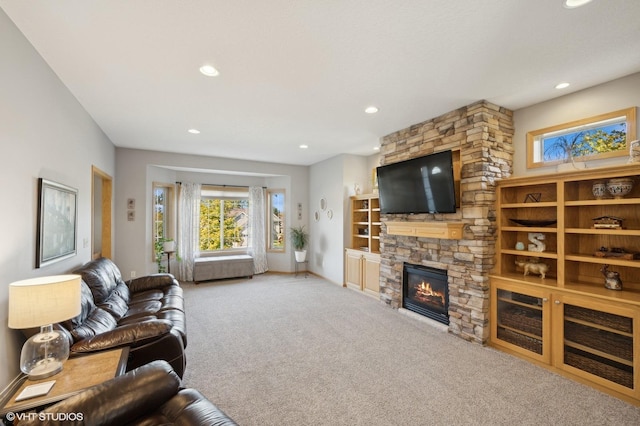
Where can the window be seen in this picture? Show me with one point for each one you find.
(275, 207)
(599, 137)
(224, 218)
(163, 218)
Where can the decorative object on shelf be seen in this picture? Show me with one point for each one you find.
(363, 231)
(536, 240)
(299, 239)
(533, 266)
(519, 245)
(607, 222)
(356, 189)
(634, 151)
(533, 197)
(599, 190)
(41, 302)
(534, 222)
(612, 279)
(616, 252)
(619, 187)
(365, 204)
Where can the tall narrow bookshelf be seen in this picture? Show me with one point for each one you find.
(362, 259)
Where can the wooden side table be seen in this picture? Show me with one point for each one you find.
(78, 374)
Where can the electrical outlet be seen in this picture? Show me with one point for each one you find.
(133, 274)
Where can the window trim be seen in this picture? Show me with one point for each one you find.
(628, 114)
(169, 220)
(269, 222)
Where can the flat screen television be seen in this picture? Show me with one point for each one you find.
(420, 185)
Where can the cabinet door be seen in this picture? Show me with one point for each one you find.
(595, 340)
(353, 269)
(520, 320)
(371, 273)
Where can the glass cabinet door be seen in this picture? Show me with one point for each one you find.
(521, 321)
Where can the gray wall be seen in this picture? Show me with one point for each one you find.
(608, 97)
(44, 132)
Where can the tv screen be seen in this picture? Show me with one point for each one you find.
(420, 185)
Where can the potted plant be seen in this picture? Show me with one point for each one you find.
(299, 239)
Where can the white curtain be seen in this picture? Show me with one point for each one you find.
(257, 241)
(188, 227)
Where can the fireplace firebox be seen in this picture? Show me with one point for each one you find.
(425, 291)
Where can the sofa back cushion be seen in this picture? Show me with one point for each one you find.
(102, 276)
(97, 322)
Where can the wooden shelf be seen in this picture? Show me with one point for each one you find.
(443, 230)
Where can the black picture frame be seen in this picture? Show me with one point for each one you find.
(56, 237)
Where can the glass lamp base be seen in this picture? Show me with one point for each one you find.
(45, 368)
(44, 353)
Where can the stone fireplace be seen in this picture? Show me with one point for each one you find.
(482, 134)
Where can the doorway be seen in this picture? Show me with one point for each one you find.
(101, 201)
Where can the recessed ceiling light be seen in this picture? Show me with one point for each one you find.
(572, 4)
(371, 109)
(194, 131)
(304, 146)
(562, 85)
(376, 148)
(209, 71)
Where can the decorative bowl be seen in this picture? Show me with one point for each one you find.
(534, 222)
(599, 190)
(619, 187)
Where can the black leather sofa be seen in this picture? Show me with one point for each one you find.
(148, 395)
(146, 314)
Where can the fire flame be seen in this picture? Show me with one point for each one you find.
(425, 289)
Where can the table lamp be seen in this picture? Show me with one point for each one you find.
(40, 302)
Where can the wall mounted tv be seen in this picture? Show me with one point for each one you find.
(419, 185)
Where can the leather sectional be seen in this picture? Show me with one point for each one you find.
(146, 314)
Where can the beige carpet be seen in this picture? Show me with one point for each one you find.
(280, 350)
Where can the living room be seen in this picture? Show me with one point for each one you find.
(46, 132)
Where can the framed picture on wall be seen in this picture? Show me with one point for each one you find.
(57, 222)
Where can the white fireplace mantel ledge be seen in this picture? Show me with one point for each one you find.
(444, 230)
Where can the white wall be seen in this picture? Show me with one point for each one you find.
(608, 97)
(334, 179)
(44, 132)
(138, 169)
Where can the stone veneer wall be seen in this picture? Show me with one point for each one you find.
(483, 133)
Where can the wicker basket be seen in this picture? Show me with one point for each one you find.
(597, 366)
(526, 342)
(520, 318)
(604, 341)
(605, 319)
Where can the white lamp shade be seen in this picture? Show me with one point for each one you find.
(44, 300)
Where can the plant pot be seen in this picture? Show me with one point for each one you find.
(301, 255)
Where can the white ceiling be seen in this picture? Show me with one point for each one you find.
(302, 71)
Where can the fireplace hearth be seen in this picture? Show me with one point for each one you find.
(425, 291)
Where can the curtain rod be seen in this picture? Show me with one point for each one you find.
(224, 186)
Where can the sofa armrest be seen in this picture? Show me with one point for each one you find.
(126, 335)
(120, 400)
(150, 282)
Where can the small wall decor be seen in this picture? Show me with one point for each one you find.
(323, 203)
(131, 215)
(299, 211)
(330, 214)
(57, 222)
